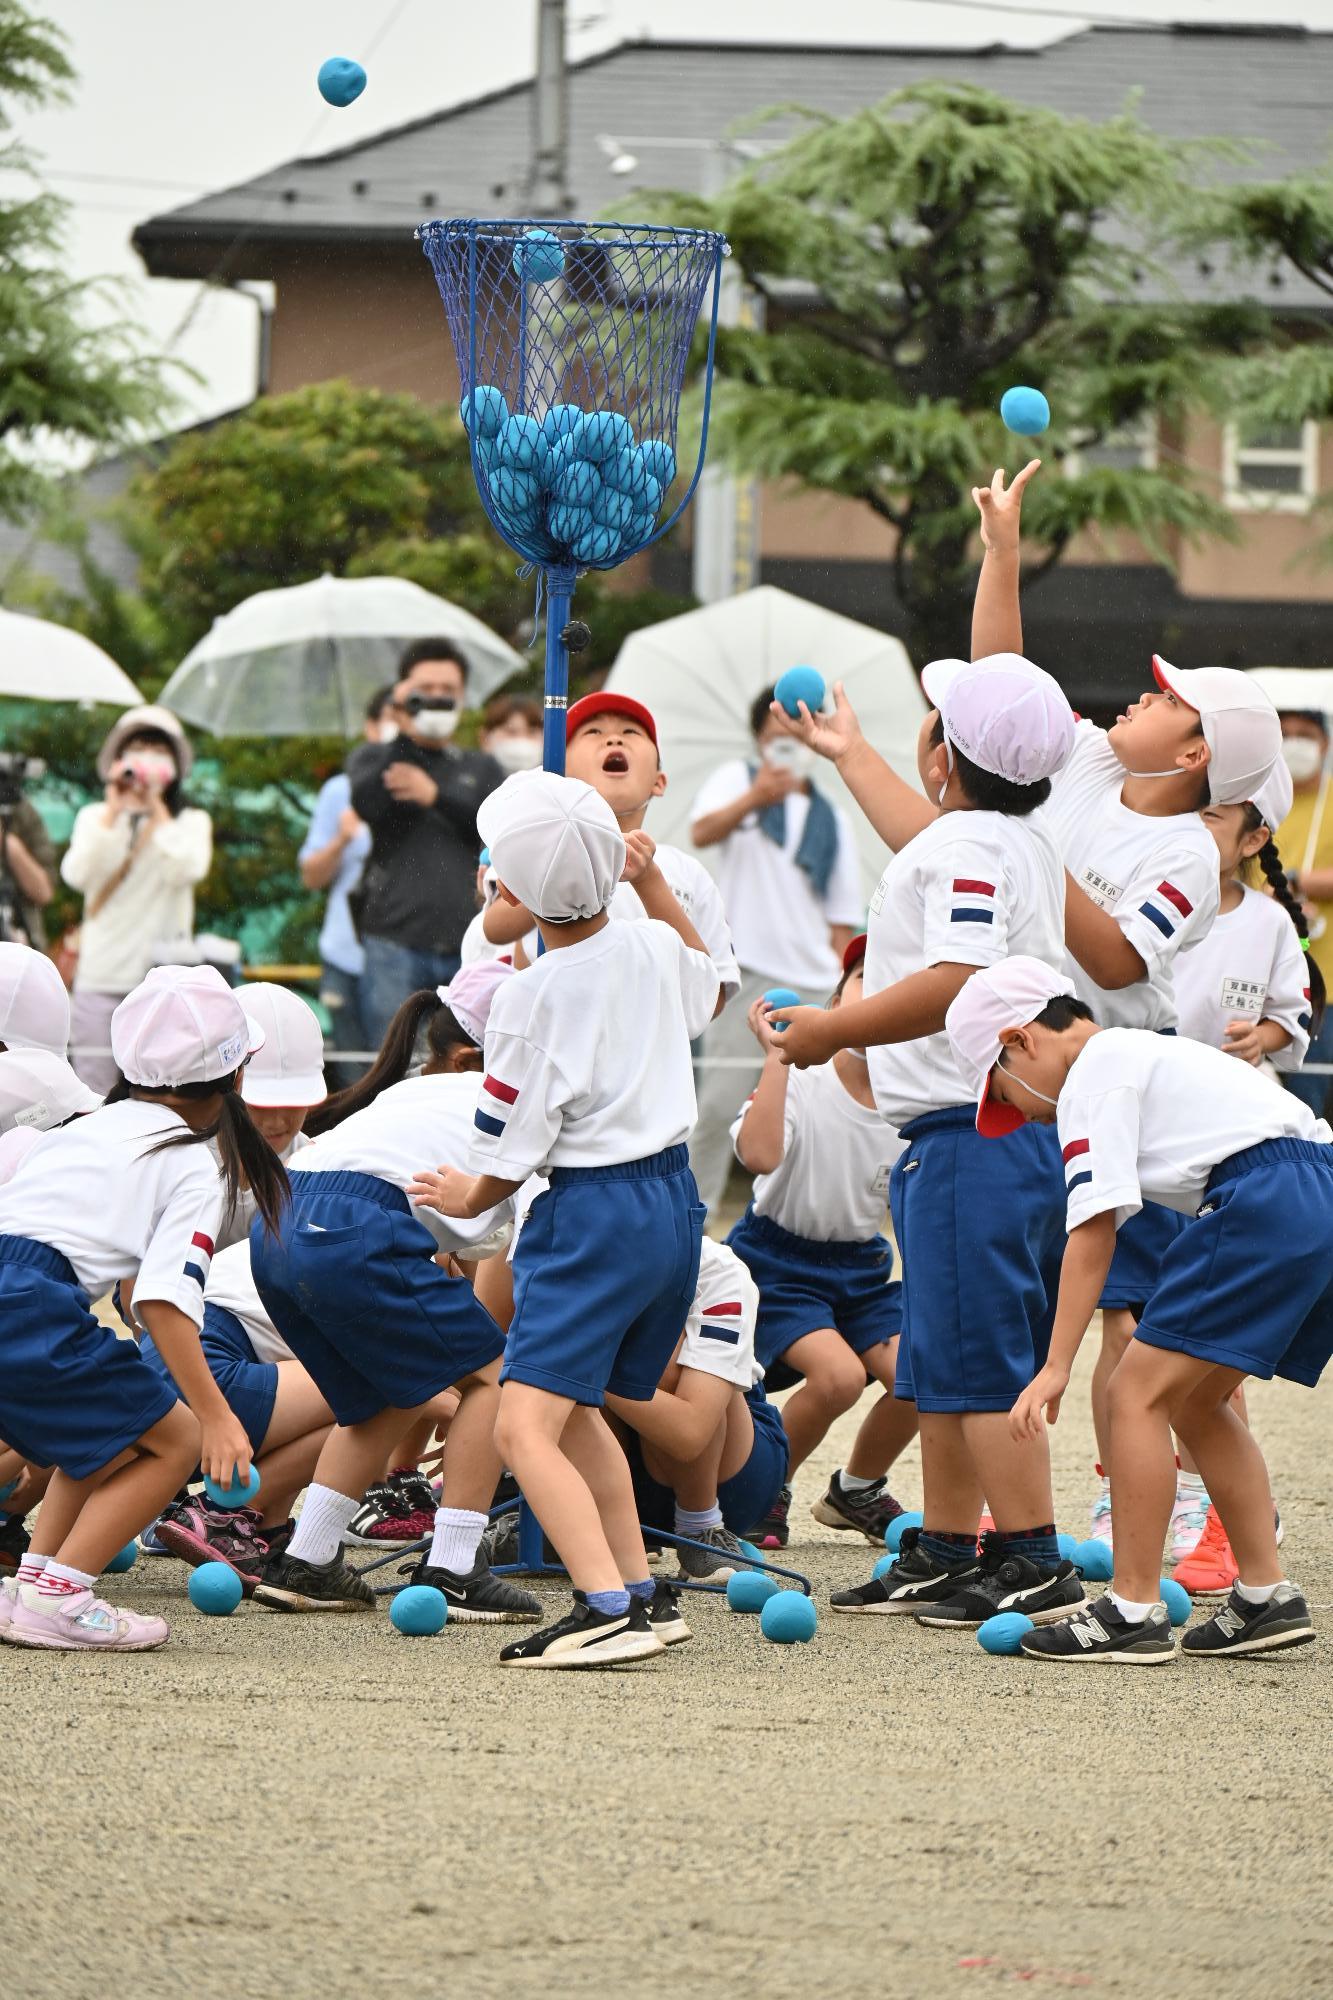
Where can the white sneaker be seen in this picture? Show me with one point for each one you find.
(1189, 1518)
(9, 1591)
(1099, 1522)
(82, 1624)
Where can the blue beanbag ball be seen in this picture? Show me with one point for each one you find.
(612, 510)
(1177, 1600)
(577, 484)
(788, 1618)
(122, 1560)
(656, 455)
(514, 492)
(521, 443)
(1094, 1562)
(1068, 1544)
(748, 1590)
(1002, 1634)
(641, 529)
(893, 1534)
(626, 472)
(883, 1566)
(214, 1589)
(419, 1610)
(538, 256)
(797, 685)
(483, 409)
(563, 420)
(568, 523)
(782, 996)
(1026, 412)
(341, 81)
(596, 544)
(238, 1494)
(752, 1554)
(606, 434)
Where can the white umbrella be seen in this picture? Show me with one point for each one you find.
(700, 673)
(305, 661)
(44, 662)
(1296, 687)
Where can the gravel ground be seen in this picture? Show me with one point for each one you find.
(295, 1807)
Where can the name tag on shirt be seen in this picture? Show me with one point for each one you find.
(877, 900)
(880, 1184)
(1244, 996)
(1104, 893)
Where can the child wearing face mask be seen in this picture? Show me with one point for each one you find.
(511, 732)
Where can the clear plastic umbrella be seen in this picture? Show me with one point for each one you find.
(304, 661)
(40, 661)
(699, 674)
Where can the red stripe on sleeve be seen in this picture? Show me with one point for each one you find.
(731, 1310)
(1173, 895)
(1074, 1148)
(504, 1091)
(965, 887)
(202, 1242)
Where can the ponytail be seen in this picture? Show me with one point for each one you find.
(1275, 875)
(245, 1156)
(396, 1056)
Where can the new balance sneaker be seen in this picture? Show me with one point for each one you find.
(588, 1638)
(914, 1580)
(1189, 1517)
(1101, 1632)
(773, 1530)
(79, 1624)
(1000, 1582)
(13, 1543)
(867, 1511)
(477, 1598)
(286, 1583)
(718, 1563)
(1099, 1521)
(1209, 1570)
(384, 1520)
(665, 1616)
(417, 1496)
(198, 1533)
(1241, 1627)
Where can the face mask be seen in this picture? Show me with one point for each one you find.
(436, 725)
(1302, 757)
(517, 753)
(784, 753)
(388, 732)
(152, 769)
(1022, 1082)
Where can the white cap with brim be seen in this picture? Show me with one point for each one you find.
(1273, 799)
(1006, 715)
(1240, 726)
(469, 994)
(1008, 995)
(39, 1091)
(183, 1024)
(554, 844)
(287, 1073)
(137, 722)
(34, 1005)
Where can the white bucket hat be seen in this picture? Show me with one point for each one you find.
(133, 723)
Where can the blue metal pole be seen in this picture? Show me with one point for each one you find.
(559, 597)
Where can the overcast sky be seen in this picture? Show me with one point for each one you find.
(178, 97)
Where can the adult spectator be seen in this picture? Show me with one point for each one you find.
(1305, 842)
(511, 732)
(419, 796)
(27, 862)
(135, 857)
(333, 856)
(787, 868)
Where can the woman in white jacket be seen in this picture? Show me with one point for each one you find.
(135, 858)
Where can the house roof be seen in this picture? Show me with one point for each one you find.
(1271, 86)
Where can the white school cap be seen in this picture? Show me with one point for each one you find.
(1008, 716)
(184, 1024)
(39, 1091)
(288, 1071)
(554, 843)
(1272, 799)
(34, 1006)
(1240, 726)
(469, 994)
(1007, 995)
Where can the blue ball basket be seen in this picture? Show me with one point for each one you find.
(572, 341)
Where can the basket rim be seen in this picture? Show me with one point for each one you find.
(508, 229)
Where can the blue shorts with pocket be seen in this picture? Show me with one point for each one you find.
(1140, 1245)
(1248, 1282)
(604, 1277)
(71, 1393)
(351, 1284)
(805, 1286)
(249, 1384)
(745, 1498)
(980, 1225)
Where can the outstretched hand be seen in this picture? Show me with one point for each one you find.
(830, 736)
(1001, 508)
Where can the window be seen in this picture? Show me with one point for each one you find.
(1128, 448)
(1270, 466)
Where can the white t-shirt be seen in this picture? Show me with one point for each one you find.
(231, 1285)
(1157, 877)
(970, 889)
(719, 1333)
(15, 1147)
(701, 900)
(234, 1226)
(422, 1122)
(833, 1183)
(97, 1192)
(780, 926)
(1146, 1117)
(588, 1053)
(154, 905)
(1250, 967)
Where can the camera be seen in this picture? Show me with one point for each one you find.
(417, 704)
(15, 772)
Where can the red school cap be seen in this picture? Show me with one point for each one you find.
(607, 703)
(854, 954)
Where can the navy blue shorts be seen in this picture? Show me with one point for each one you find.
(351, 1284)
(1248, 1282)
(71, 1393)
(249, 1384)
(1140, 1245)
(980, 1225)
(604, 1278)
(745, 1498)
(805, 1286)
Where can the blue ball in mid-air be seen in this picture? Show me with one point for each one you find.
(125, 1559)
(539, 256)
(419, 1610)
(238, 1494)
(1026, 412)
(214, 1589)
(797, 685)
(1094, 1562)
(1002, 1634)
(893, 1534)
(1177, 1600)
(750, 1589)
(788, 1618)
(341, 81)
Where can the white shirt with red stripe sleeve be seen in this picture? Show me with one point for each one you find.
(1157, 877)
(832, 1185)
(1250, 968)
(719, 1333)
(99, 1193)
(588, 1054)
(1146, 1117)
(970, 889)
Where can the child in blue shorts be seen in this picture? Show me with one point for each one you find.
(588, 1079)
(1140, 1117)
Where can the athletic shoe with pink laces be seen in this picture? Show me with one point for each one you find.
(1189, 1518)
(1099, 1522)
(198, 1533)
(80, 1624)
(1209, 1570)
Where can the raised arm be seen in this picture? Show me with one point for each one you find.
(895, 809)
(1098, 942)
(997, 621)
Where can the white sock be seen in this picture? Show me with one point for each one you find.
(59, 1580)
(1136, 1613)
(1258, 1593)
(691, 1521)
(325, 1516)
(851, 1482)
(454, 1544)
(30, 1569)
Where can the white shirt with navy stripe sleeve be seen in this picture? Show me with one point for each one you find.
(832, 1183)
(719, 1332)
(1250, 968)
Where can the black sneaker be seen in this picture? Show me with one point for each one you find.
(499, 1542)
(1241, 1627)
(1102, 1633)
(415, 1490)
(773, 1530)
(868, 1511)
(1041, 1591)
(385, 1521)
(288, 1584)
(665, 1616)
(13, 1543)
(477, 1598)
(588, 1638)
(914, 1580)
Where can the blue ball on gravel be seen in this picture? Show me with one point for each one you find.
(1067, 1544)
(1025, 411)
(1002, 1634)
(788, 1618)
(1093, 1561)
(215, 1589)
(797, 685)
(749, 1550)
(122, 1560)
(883, 1566)
(898, 1526)
(419, 1610)
(239, 1493)
(750, 1590)
(1177, 1600)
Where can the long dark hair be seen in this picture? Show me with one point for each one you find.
(397, 1053)
(1275, 875)
(245, 1155)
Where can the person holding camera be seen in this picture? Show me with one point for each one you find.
(135, 857)
(27, 856)
(419, 795)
